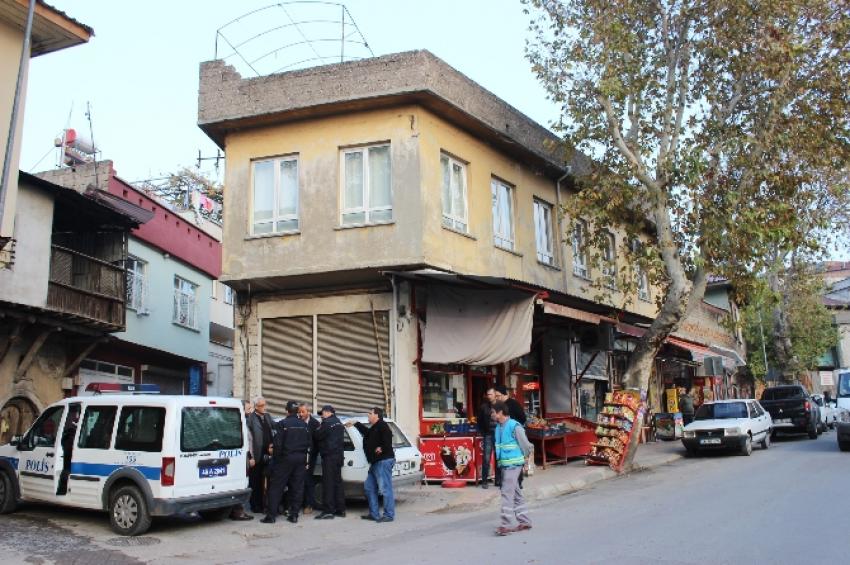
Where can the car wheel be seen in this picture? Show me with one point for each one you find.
(128, 512)
(813, 433)
(765, 443)
(215, 515)
(844, 445)
(747, 448)
(821, 428)
(7, 494)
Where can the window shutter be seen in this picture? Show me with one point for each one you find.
(287, 362)
(349, 364)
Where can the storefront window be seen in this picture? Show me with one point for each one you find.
(443, 394)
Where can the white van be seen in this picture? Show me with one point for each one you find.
(132, 455)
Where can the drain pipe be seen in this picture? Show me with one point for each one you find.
(562, 255)
(13, 120)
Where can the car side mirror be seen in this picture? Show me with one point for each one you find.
(16, 440)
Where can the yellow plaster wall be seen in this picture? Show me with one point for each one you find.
(322, 245)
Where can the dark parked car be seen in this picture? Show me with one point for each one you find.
(792, 410)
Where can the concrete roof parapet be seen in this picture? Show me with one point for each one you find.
(227, 101)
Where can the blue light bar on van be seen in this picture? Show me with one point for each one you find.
(116, 388)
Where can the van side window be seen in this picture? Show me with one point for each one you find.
(44, 432)
(96, 432)
(140, 428)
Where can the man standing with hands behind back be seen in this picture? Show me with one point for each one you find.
(261, 426)
(330, 442)
(378, 445)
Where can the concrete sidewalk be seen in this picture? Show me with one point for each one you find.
(543, 485)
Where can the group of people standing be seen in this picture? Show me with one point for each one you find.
(500, 422)
(282, 458)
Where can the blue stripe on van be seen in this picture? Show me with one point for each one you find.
(13, 461)
(104, 470)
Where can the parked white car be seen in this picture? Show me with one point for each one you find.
(728, 424)
(355, 468)
(134, 456)
(827, 412)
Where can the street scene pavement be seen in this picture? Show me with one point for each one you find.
(783, 505)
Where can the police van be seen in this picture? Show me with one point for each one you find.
(133, 453)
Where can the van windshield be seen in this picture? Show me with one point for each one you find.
(209, 427)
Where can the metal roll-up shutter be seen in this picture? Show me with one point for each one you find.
(287, 363)
(349, 365)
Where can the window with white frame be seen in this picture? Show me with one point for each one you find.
(581, 264)
(185, 303)
(543, 232)
(609, 261)
(503, 215)
(136, 284)
(228, 295)
(367, 196)
(640, 274)
(454, 194)
(275, 202)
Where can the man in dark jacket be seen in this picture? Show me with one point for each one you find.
(485, 428)
(291, 448)
(378, 446)
(305, 413)
(261, 427)
(329, 441)
(516, 411)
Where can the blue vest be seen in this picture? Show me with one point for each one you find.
(508, 453)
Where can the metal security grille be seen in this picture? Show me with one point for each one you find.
(287, 361)
(350, 360)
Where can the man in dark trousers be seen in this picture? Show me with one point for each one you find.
(260, 425)
(378, 446)
(329, 441)
(485, 428)
(67, 441)
(305, 413)
(291, 448)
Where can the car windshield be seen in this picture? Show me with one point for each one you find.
(844, 385)
(723, 411)
(782, 393)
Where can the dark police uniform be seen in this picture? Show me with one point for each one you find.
(291, 446)
(330, 444)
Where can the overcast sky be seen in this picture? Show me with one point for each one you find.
(140, 70)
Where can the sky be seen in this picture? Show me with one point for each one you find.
(139, 73)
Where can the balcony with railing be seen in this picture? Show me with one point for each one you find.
(87, 289)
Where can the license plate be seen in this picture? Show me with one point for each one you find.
(783, 421)
(214, 471)
(710, 441)
(401, 466)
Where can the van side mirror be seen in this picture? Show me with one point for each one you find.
(16, 440)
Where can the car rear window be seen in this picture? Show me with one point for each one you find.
(209, 427)
(140, 428)
(722, 411)
(783, 393)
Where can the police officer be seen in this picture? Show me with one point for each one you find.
(329, 439)
(291, 447)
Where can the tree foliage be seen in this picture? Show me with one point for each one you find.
(718, 127)
(176, 189)
(810, 325)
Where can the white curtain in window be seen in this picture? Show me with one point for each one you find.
(380, 192)
(447, 186)
(502, 214)
(458, 193)
(353, 180)
(288, 204)
(543, 227)
(263, 191)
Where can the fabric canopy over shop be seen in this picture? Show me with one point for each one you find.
(476, 327)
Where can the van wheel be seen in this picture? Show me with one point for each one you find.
(7, 494)
(128, 512)
(215, 515)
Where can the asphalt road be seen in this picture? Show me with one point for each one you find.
(788, 504)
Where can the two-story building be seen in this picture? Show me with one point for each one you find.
(171, 268)
(393, 232)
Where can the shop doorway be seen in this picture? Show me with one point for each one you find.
(16, 416)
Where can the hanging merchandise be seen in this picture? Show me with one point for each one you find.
(622, 412)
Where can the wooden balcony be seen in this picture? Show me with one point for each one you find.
(87, 289)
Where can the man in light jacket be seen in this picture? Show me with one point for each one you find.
(512, 449)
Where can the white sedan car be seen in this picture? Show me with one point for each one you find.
(728, 424)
